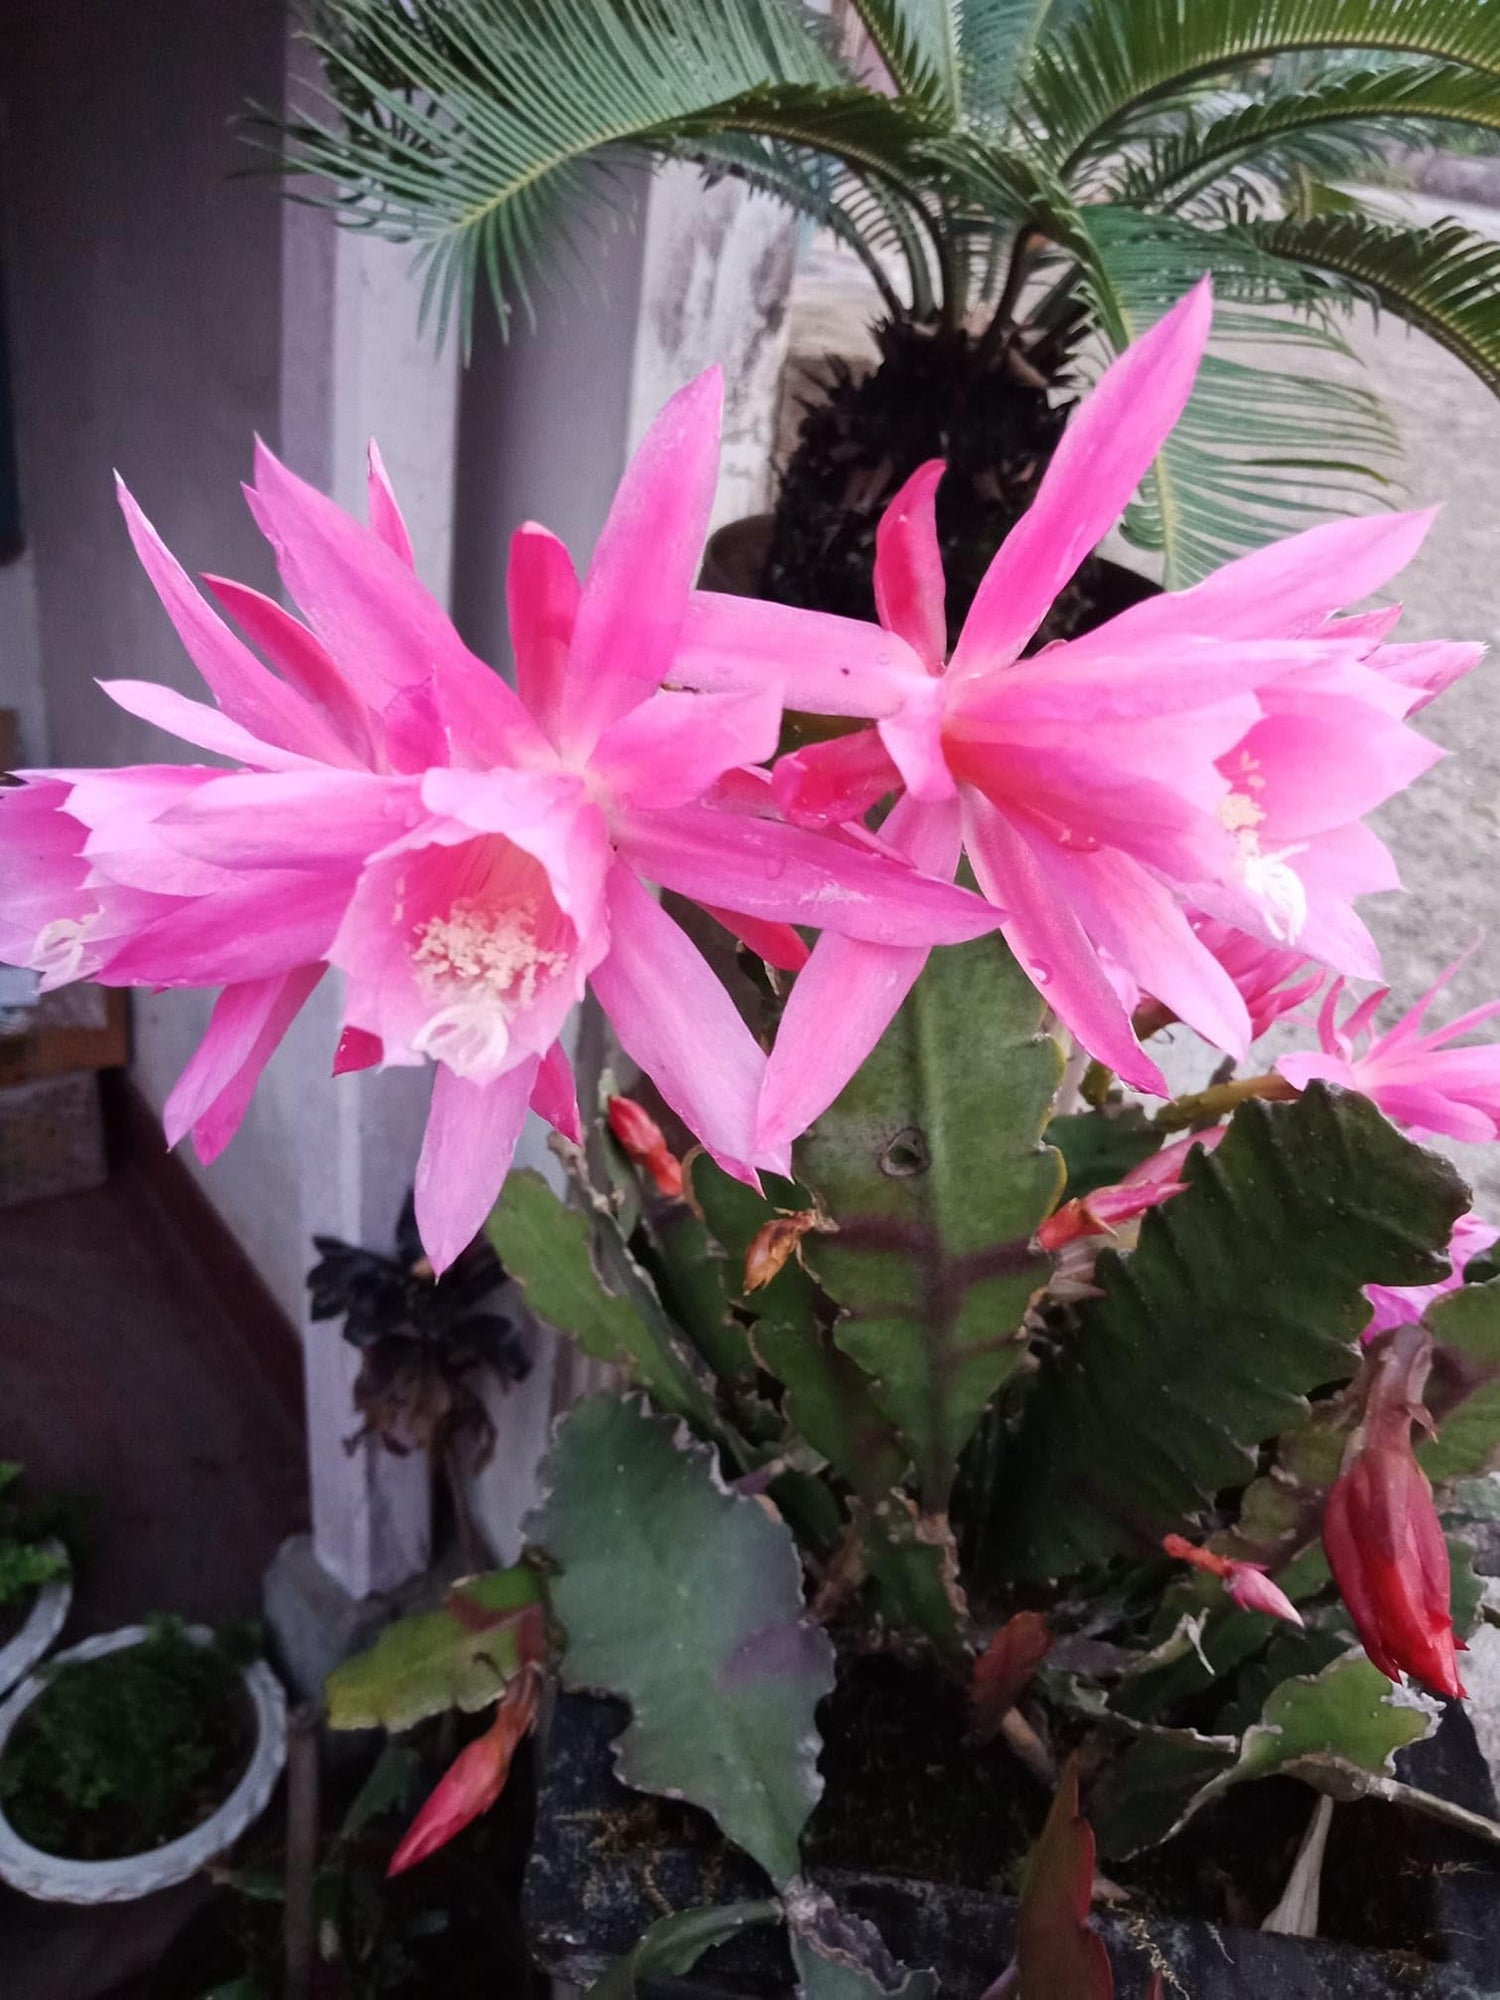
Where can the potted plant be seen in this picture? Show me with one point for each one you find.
(987, 1437)
(35, 1582)
(1026, 186)
(133, 1759)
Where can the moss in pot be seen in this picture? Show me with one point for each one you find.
(124, 1753)
(30, 1556)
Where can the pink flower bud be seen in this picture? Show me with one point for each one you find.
(1252, 1590)
(646, 1144)
(476, 1777)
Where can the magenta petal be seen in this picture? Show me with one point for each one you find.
(1425, 670)
(914, 738)
(676, 1021)
(554, 1095)
(248, 1021)
(828, 783)
(1106, 450)
(541, 594)
(674, 747)
(909, 589)
(792, 875)
(1053, 947)
(822, 663)
(645, 562)
(293, 819)
(385, 515)
(849, 994)
(302, 659)
(196, 723)
(777, 944)
(267, 923)
(358, 1049)
(245, 690)
(471, 1136)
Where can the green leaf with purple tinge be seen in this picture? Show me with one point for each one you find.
(932, 1164)
(686, 1599)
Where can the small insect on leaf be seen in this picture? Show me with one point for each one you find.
(779, 1239)
(1059, 1955)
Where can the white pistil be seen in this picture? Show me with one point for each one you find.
(481, 966)
(61, 952)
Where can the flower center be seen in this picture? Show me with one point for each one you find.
(482, 965)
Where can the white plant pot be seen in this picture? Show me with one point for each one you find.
(54, 1878)
(43, 1623)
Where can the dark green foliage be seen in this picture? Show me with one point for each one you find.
(25, 1528)
(123, 1753)
(1243, 1297)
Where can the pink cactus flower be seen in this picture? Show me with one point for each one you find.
(1418, 1080)
(466, 854)
(1214, 747)
(1247, 1584)
(1404, 1305)
(1108, 1210)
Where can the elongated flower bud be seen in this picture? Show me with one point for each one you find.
(1381, 1531)
(476, 1777)
(646, 1144)
(1245, 1582)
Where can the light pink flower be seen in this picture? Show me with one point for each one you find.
(1415, 1077)
(1246, 1582)
(1271, 979)
(1214, 747)
(469, 856)
(1404, 1305)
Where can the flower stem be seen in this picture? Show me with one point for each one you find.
(1206, 1107)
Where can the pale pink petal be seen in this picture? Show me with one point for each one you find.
(822, 663)
(541, 595)
(827, 783)
(266, 923)
(385, 514)
(554, 1095)
(1108, 447)
(914, 738)
(245, 690)
(1369, 626)
(676, 1021)
(1136, 919)
(471, 1136)
(43, 877)
(777, 944)
(791, 875)
(1108, 676)
(1290, 587)
(674, 747)
(849, 994)
(1426, 670)
(548, 814)
(301, 658)
(1322, 765)
(1052, 946)
(368, 608)
(1308, 1065)
(292, 819)
(248, 1021)
(909, 587)
(645, 561)
(196, 723)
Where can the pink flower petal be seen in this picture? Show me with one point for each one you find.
(849, 993)
(1106, 450)
(270, 922)
(212, 1094)
(914, 738)
(1052, 945)
(828, 783)
(541, 595)
(645, 562)
(822, 663)
(909, 589)
(471, 1136)
(245, 690)
(546, 813)
(303, 660)
(676, 1021)
(674, 747)
(554, 1095)
(1317, 764)
(293, 819)
(357, 1050)
(777, 944)
(1426, 670)
(196, 723)
(791, 875)
(385, 514)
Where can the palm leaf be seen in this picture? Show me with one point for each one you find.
(1444, 279)
(1110, 61)
(917, 40)
(476, 128)
(1407, 100)
(996, 39)
(1259, 451)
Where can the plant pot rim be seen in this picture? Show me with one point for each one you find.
(57, 1878)
(41, 1626)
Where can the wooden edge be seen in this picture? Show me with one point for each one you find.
(135, 1139)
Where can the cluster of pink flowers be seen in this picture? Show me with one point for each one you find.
(1165, 817)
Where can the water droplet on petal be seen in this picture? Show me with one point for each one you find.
(775, 867)
(1042, 974)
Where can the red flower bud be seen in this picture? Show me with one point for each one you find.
(1381, 1531)
(1246, 1582)
(476, 1777)
(646, 1144)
